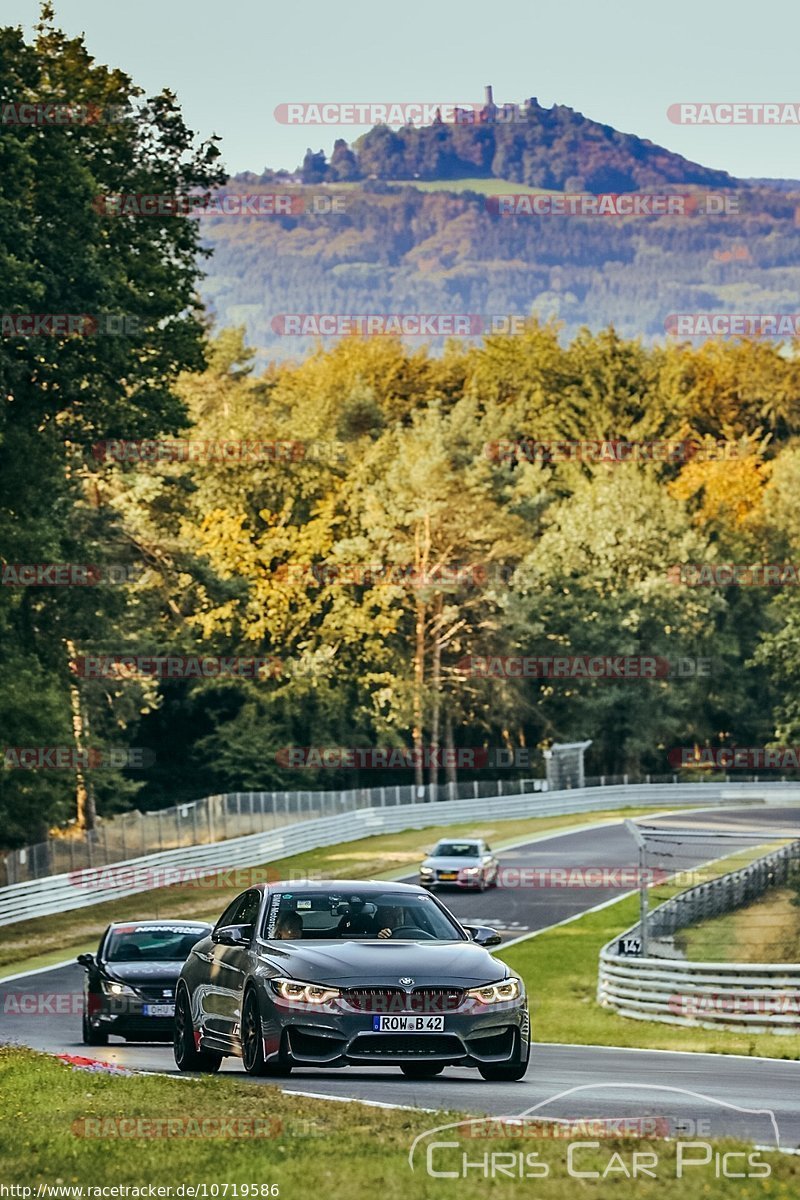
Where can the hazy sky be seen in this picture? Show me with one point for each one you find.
(621, 62)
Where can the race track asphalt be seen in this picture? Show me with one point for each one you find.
(611, 1082)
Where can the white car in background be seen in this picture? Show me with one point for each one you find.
(460, 862)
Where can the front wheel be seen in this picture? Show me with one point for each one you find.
(253, 1042)
(187, 1056)
(421, 1070)
(506, 1072)
(93, 1037)
(495, 1073)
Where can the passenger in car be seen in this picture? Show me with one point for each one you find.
(289, 925)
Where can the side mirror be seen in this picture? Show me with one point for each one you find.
(86, 960)
(482, 935)
(232, 935)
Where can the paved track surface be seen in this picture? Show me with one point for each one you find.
(611, 1082)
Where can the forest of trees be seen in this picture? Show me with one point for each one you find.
(392, 466)
(400, 249)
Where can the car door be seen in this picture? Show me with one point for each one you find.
(222, 1001)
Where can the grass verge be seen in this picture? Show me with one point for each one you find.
(26, 945)
(766, 931)
(559, 967)
(305, 1146)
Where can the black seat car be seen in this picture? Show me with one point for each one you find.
(129, 987)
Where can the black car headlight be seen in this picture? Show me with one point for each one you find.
(112, 988)
(498, 993)
(303, 993)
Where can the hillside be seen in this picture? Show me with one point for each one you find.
(540, 147)
(420, 232)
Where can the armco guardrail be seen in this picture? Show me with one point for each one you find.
(217, 818)
(235, 814)
(62, 893)
(757, 997)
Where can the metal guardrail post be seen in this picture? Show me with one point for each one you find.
(638, 837)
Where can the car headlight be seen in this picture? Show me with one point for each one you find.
(112, 988)
(426, 870)
(497, 993)
(470, 870)
(305, 993)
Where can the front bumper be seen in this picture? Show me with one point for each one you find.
(126, 1017)
(478, 1035)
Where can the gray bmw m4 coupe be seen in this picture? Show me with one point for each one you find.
(340, 973)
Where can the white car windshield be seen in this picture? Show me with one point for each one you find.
(456, 850)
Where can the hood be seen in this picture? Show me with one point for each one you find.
(149, 974)
(442, 863)
(382, 963)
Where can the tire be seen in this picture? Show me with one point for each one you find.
(421, 1070)
(93, 1037)
(495, 1073)
(187, 1056)
(506, 1072)
(253, 1043)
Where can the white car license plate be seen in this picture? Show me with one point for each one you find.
(158, 1010)
(385, 1024)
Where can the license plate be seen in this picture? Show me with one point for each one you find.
(158, 1010)
(408, 1024)
(448, 874)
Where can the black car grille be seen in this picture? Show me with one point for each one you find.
(406, 1045)
(156, 992)
(395, 1000)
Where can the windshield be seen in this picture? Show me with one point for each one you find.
(456, 850)
(164, 943)
(352, 916)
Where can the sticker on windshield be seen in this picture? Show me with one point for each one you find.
(272, 919)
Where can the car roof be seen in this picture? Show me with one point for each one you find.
(153, 924)
(365, 886)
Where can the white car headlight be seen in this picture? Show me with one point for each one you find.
(426, 870)
(498, 993)
(112, 988)
(304, 993)
(470, 870)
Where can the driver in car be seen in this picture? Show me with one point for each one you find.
(387, 919)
